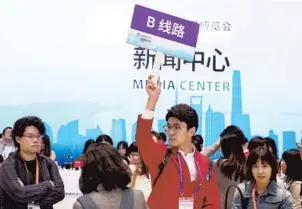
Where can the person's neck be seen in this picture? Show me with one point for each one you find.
(186, 148)
(28, 156)
(261, 187)
(9, 141)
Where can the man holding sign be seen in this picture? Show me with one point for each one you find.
(185, 180)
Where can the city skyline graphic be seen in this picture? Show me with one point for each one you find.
(68, 141)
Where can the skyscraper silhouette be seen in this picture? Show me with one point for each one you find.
(93, 133)
(215, 123)
(160, 125)
(134, 125)
(237, 118)
(289, 140)
(274, 136)
(196, 104)
(118, 131)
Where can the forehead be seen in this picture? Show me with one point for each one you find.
(31, 130)
(173, 120)
(8, 130)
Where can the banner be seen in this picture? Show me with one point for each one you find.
(76, 71)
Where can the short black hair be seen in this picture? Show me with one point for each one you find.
(234, 130)
(105, 138)
(132, 148)
(104, 165)
(21, 124)
(185, 113)
(123, 143)
(263, 154)
(255, 142)
(293, 161)
(3, 132)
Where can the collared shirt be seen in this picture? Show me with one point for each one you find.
(189, 157)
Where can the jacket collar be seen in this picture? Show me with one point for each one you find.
(271, 189)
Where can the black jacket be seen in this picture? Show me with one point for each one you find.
(17, 196)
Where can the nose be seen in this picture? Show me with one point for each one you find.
(260, 170)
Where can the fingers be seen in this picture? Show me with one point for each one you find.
(150, 81)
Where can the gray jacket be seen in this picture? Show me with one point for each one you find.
(274, 197)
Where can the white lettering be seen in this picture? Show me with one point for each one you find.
(150, 22)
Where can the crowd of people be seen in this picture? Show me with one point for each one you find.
(158, 171)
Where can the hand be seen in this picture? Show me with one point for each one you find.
(21, 183)
(52, 184)
(153, 91)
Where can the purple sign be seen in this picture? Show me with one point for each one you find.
(165, 26)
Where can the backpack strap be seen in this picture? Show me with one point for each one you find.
(210, 169)
(244, 201)
(87, 202)
(127, 199)
(162, 165)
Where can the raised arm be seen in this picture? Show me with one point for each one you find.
(152, 153)
(211, 150)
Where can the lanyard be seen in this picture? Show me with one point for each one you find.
(254, 198)
(37, 172)
(181, 183)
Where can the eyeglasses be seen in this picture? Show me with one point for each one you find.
(32, 137)
(175, 128)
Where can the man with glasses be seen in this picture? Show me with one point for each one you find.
(185, 179)
(28, 179)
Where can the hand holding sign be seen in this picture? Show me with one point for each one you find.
(153, 90)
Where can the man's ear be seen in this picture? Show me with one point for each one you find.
(18, 138)
(192, 131)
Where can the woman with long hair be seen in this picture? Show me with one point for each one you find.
(230, 167)
(291, 166)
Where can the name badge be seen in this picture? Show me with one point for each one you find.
(32, 206)
(186, 203)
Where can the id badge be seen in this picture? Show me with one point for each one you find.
(186, 203)
(32, 206)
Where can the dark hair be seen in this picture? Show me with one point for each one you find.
(22, 123)
(272, 144)
(105, 138)
(134, 148)
(197, 140)
(233, 130)
(124, 144)
(3, 132)
(1, 135)
(294, 165)
(263, 154)
(163, 136)
(255, 142)
(184, 113)
(245, 140)
(87, 145)
(154, 133)
(47, 146)
(104, 165)
(233, 161)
